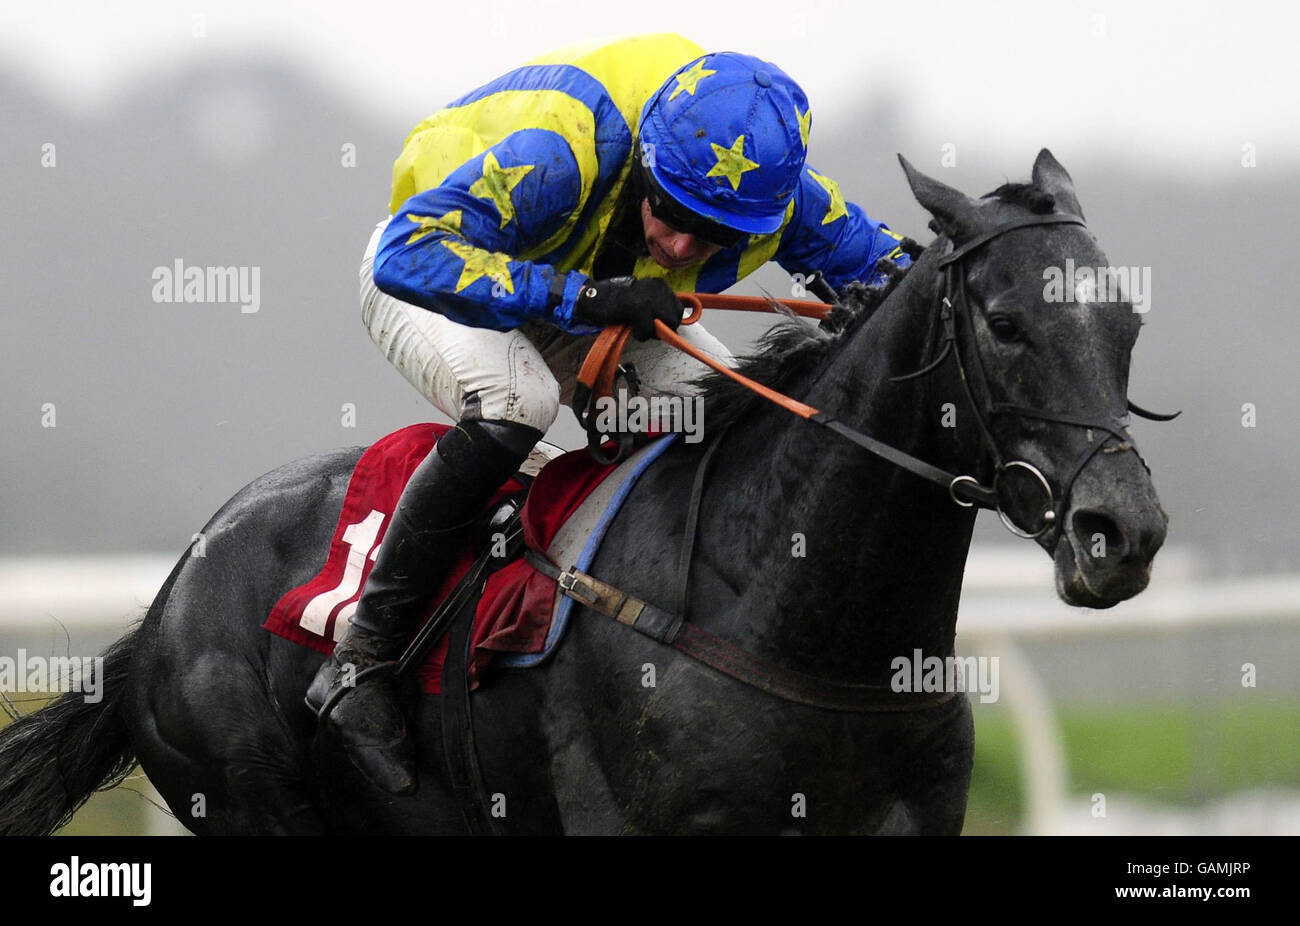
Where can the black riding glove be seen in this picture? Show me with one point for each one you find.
(627, 301)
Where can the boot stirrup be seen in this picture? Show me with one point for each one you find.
(339, 691)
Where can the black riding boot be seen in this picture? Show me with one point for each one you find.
(447, 491)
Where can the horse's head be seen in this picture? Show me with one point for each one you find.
(1045, 356)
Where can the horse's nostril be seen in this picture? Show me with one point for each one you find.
(1099, 535)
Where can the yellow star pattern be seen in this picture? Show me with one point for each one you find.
(805, 124)
(837, 207)
(731, 161)
(497, 183)
(688, 79)
(430, 224)
(480, 263)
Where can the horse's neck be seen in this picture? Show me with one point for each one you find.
(838, 560)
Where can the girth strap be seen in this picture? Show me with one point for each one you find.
(608, 600)
(789, 685)
(725, 656)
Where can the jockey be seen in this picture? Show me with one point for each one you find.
(578, 191)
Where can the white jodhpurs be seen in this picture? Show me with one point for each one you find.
(521, 375)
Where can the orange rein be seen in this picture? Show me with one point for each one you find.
(601, 366)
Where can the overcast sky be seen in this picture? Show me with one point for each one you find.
(1186, 83)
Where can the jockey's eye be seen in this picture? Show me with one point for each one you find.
(707, 232)
(1004, 329)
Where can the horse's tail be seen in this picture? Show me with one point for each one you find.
(53, 760)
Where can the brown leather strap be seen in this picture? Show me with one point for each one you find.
(725, 656)
(595, 380)
(601, 364)
(965, 490)
(608, 600)
(788, 685)
(805, 307)
(794, 405)
(600, 368)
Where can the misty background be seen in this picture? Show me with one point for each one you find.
(231, 150)
(247, 133)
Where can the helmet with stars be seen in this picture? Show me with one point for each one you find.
(726, 137)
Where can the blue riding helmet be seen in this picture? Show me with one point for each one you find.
(726, 137)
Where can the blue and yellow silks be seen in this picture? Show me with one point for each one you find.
(518, 181)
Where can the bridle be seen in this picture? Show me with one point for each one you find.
(601, 369)
(966, 490)
(597, 378)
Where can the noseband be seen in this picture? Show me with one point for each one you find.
(967, 491)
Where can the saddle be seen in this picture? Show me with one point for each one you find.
(494, 605)
(514, 619)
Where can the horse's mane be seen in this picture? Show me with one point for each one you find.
(792, 348)
(789, 349)
(1028, 195)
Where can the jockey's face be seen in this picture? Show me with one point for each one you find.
(669, 247)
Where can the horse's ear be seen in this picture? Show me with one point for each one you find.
(1050, 177)
(955, 213)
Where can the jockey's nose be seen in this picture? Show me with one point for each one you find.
(683, 246)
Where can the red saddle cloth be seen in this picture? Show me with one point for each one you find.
(515, 611)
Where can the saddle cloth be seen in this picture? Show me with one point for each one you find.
(521, 616)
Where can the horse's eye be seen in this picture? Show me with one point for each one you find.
(1003, 328)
